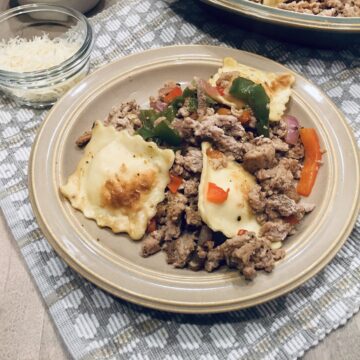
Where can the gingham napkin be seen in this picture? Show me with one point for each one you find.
(95, 325)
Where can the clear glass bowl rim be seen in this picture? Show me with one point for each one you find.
(81, 54)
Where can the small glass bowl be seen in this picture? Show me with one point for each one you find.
(42, 88)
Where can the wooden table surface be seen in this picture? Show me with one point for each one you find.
(27, 332)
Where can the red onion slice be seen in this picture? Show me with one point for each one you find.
(211, 91)
(293, 126)
(160, 106)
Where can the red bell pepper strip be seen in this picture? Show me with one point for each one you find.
(292, 220)
(174, 93)
(175, 182)
(216, 194)
(151, 225)
(313, 156)
(220, 90)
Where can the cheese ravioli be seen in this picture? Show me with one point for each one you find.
(120, 180)
(276, 86)
(235, 213)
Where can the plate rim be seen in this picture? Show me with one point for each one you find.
(168, 305)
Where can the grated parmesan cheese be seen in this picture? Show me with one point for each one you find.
(38, 53)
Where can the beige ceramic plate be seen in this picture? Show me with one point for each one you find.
(113, 262)
(315, 30)
(290, 19)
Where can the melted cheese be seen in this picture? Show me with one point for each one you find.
(234, 213)
(277, 86)
(120, 180)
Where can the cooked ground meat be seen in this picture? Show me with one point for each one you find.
(260, 157)
(280, 145)
(339, 8)
(183, 112)
(179, 251)
(275, 198)
(172, 230)
(278, 129)
(257, 199)
(191, 187)
(246, 253)
(282, 206)
(189, 162)
(124, 116)
(277, 179)
(225, 132)
(225, 78)
(196, 263)
(151, 243)
(296, 152)
(201, 99)
(308, 207)
(161, 212)
(276, 166)
(276, 230)
(229, 123)
(292, 194)
(213, 259)
(204, 245)
(83, 139)
(175, 207)
(192, 215)
(186, 129)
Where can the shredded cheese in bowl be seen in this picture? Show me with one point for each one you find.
(38, 53)
(48, 58)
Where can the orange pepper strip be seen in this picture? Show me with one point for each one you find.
(175, 182)
(223, 111)
(174, 93)
(151, 225)
(245, 117)
(313, 155)
(216, 194)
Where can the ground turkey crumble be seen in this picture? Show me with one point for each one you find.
(276, 165)
(339, 8)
